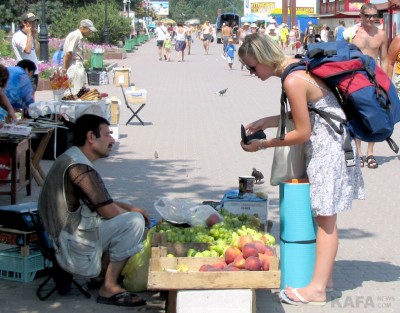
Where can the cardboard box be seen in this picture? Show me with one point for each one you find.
(249, 204)
(114, 112)
(216, 301)
(22, 239)
(122, 76)
(114, 129)
(138, 96)
(164, 276)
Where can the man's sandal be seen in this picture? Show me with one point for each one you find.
(371, 162)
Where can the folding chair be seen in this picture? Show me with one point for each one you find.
(62, 279)
(134, 113)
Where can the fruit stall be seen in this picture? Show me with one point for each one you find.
(233, 256)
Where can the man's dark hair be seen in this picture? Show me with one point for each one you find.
(27, 64)
(4, 75)
(85, 124)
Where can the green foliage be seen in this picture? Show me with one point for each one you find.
(5, 45)
(118, 26)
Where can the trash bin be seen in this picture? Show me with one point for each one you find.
(97, 59)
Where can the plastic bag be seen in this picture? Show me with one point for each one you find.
(137, 268)
(182, 211)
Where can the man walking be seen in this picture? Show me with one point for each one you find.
(372, 41)
(161, 32)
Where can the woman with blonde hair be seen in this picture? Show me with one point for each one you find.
(333, 185)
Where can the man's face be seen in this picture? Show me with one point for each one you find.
(104, 143)
(369, 16)
(85, 31)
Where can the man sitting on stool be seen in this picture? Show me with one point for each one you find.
(82, 219)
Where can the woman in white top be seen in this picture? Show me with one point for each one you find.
(180, 42)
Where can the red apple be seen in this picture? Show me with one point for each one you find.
(206, 268)
(239, 261)
(260, 245)
(231, 253)
(220, 265)
(269, 251)
(243, 240)
(252, 263)
(249, 249)
(264, 261)
(212, 219)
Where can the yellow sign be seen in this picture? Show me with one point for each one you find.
(299, 11)
(262, 7)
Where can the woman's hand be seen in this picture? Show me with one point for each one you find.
(253, 145)
(255, 126)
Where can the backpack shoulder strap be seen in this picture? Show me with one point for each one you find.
(301, 65)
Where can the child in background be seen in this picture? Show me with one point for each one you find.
(167, 47)
(230, 52)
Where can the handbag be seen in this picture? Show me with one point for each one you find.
(289, 161)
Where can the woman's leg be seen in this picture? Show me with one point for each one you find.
(327, 245)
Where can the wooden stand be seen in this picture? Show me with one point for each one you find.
(19, 151)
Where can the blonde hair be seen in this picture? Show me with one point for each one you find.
(264, 49)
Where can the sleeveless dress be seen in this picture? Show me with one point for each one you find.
(333, 185)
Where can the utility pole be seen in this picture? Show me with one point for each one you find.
(285, 11)
(292, 13)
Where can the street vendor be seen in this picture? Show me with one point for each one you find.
(74, 55)
(86, 219)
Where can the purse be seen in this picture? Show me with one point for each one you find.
(289, 161)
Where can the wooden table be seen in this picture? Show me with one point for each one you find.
(18, 149)
(36, 170)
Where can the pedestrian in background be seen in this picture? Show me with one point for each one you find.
(25, 43)
(230, 52)
(180, 42)
(371, 41)
(74, 55)
(161, 33)
(167, 48)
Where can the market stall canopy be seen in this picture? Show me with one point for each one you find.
(167, 21)
(193, 21)
(251, 18)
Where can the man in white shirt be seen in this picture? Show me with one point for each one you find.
(73, 54)
(161, 33)
(26, 45)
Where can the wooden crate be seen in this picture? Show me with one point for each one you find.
(163, 274)
(177, 249)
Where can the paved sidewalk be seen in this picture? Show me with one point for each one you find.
(196, 135)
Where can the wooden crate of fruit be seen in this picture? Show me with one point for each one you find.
(165, 274)
(177, 249)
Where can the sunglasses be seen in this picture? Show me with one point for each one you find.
(250, 68)
(368, 16)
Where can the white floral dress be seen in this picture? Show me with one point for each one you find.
(333, 185)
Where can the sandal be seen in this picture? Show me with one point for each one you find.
(362, 161)
(371, 162)
(122, 299)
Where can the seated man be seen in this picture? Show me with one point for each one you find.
(19, 89)
(82, 219)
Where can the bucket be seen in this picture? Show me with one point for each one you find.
(96, 60)
(297, 233)
(246, 185)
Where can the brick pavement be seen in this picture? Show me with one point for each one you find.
(196, 135)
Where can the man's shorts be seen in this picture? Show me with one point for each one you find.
(160, 43)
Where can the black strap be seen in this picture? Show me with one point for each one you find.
(299, 241)
(392, 145)
(348, 149)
